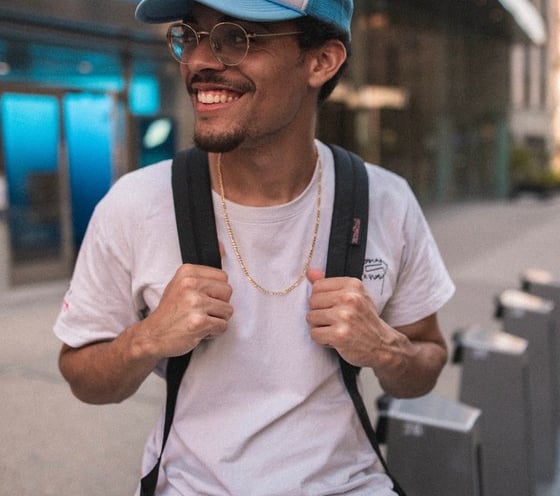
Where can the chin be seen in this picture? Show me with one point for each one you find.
(218, 143)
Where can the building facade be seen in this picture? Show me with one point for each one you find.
(534, 114)
(80, 82)
(438, 76)
(87, 94)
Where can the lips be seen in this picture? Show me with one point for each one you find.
(216, 96)
(209, 88)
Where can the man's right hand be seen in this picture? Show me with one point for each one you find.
(195, 305)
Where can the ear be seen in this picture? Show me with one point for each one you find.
(325, 62)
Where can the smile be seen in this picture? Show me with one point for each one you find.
(209, 97)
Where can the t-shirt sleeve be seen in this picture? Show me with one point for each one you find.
(423, 283)
(99, 303)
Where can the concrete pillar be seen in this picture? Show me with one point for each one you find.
(4, 237)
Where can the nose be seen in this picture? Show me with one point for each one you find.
(203, 57)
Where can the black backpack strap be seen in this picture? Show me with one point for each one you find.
(196, 227)
(347, 247)
(348, 238)
(194, 210)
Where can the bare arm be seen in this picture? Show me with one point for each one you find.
(107, 371)
(418, 353)
(194, 306)
(407, 361)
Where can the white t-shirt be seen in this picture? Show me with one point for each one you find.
(262, 410)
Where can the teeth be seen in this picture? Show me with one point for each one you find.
(215, 97)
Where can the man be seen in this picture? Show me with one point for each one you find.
(262, 409)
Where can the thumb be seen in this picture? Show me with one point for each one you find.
(222, 249)
(314, 275)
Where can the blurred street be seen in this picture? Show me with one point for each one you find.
(51, 444)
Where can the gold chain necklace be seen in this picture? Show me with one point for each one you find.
(244, 268)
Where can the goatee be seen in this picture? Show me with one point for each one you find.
(221, 143)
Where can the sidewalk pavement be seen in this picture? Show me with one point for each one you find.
(51, 444)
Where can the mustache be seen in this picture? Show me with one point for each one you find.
(211, 77)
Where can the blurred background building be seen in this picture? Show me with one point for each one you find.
(458, 96)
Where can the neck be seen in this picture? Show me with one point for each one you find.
(272, 177)
(235, 247)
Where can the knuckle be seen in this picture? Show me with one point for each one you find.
(354, 283)
(351, 298)
(184, 270)
(229, 312)
(193, 299)
(345, 315)
(343, 335)
(197, 321)
(188, 282)
(310, 317)
(229, 291)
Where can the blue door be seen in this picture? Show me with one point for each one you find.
(89, 126)
(57, 156)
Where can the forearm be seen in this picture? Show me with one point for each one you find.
(109, 371)
(410, 369)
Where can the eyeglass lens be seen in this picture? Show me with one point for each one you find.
(228, 41)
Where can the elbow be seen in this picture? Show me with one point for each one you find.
(86, 396)
(78, 385)
(408, 391)
(415, 391)
(84, 385)
(91, 394)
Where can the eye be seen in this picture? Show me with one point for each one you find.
(189, 38)
(233, 36)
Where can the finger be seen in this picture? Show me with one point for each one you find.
(217, 289)
(332, 284)
(322, 300)
(216, 327)
(320, 317)
(220, 309)
(322, 336)
(201, 271)
(327, 293)
(315, 275)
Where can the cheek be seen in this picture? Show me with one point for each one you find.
(183, 70)
(278, 103)
(283, 87)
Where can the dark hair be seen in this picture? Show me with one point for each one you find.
(314, 34)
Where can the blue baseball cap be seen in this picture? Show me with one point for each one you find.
(337, 12)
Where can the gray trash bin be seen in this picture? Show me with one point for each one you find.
(433, 445)
(531, 317)
(544, 284)
(495, 379)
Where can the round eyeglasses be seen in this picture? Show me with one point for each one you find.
(229, 41)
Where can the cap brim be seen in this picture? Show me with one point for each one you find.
(160, 11)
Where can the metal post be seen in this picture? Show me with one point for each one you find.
(530, 317)
(495, 378)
